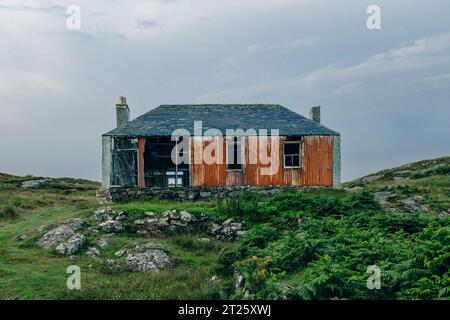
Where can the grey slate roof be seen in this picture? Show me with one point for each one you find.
(163, 120)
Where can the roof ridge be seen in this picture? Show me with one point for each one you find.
(219, 104)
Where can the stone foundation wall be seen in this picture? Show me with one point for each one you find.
(115, 194)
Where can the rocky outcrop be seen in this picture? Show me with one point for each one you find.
(65, 238)
(111, 226)
(393, 203)
(72, 245)
(227, 231)
(35, 184)
(55, 236)
(171, 222)
(104, 214)
(93, 253)
(111, 265)
(148, 257)
(110, 220)
(104, 241)
(176, 222)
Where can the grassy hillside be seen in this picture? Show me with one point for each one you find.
(314, 245)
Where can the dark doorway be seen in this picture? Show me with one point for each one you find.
(159, 169)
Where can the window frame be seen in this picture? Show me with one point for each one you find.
(234, 141)
(299, 142)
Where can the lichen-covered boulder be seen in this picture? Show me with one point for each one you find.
(103, 242)
(55, 236)
(104, 214)
(111, 226)
(72, 245)
(76, 223)
(148, 261)
(34, 184)
(93, 253)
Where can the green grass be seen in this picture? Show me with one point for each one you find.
(28, 272)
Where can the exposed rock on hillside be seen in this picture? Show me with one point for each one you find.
(65, 237)
(35, 184)
(175, 222)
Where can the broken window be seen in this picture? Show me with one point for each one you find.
(125, 162)
(159, 169)
(291, 154)
(234, 154)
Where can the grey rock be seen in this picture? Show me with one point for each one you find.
(414, 204)
(103, 242)
(215, 228)
(166, 213)
(151, 222)
(104, 214)
(186, 216)
(142, 233)
(178, 224)
(150, 214)
(174, 215)
(76, 223)
(228, 221)
(383, 197)
(240, 233)
(111, 226)
(370, 179)
(139, 222)
(54, 236)
(38, 229)
(120, 253)
(21, 237)
(122, 216)
(235, 226)
(34, 184)
(148, 261)
(112, 266)
(205, 194)
(93, 253)
(72, 245)
(401, 179)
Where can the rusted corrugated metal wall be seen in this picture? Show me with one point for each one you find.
(317, 161)
(317, 164)
(206, 174)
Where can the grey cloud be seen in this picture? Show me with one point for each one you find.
(146, 24)
(51, 8)
(386, 91)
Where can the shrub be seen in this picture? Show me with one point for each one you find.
(237, 205)
(438, 170)
(259, 281)
(8, 212)
(361, 201)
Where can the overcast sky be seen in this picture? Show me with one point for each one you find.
(386, 91)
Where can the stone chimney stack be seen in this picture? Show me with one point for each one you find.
(122, 112)
(314, 114)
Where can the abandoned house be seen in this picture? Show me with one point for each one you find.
(140, 153)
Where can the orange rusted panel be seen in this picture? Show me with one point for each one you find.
(141, 147)
(261, 167)
(208, 173)
(317, 161)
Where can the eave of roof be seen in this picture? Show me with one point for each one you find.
(163, 120)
